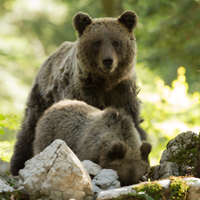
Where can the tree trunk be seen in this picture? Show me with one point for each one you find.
(112, 8)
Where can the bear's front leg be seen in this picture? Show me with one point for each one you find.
(23, 149)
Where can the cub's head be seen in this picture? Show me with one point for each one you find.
(130, 163)
(106, 46)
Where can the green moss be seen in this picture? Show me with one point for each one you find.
(17, 195)
(182, 155)
(148, 191)
(151, 189)
(134, 196)
(12, 181)
(178, 188)
(154, 191)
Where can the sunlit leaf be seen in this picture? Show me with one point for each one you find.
(1, 131)
(2, 117)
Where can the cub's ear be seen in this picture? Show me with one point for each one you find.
(116, 151)
(145, 150)
(128, 19)
(81, 21)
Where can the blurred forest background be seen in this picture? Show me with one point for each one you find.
(168, 60)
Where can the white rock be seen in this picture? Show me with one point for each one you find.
(115, 193)
(194, 188)
(165, 183)
(107, 179)
(92, 168)
(4, 187)
(56, 173)
(192, 193)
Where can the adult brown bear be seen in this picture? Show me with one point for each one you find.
(107, 137)
(98, 69)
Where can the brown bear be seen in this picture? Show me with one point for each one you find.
(98, 69)
(107, 137)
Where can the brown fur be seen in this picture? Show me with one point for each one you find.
(98, 69)
(108, 138)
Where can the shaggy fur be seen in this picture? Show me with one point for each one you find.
(98, 69)
(108, 138)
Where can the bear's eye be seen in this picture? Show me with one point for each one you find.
(97, 44)
(115, 44)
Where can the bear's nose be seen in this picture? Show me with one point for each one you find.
(108, 61)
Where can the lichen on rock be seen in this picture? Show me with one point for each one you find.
(168, 189)
(11, 187)
(182, 149)
(179, 158)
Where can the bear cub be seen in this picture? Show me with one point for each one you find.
(107, 137)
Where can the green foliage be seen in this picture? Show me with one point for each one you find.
(6, 148)
(7, 122)
(167, 38)
(155, 191)
(136, 196)
(168, 111)
(151, 190)
(11, 122)
(179, 188)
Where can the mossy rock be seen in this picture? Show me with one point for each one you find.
(12, 181)
(16, 195)
(182, 150)
(185, 153)
(155, 191)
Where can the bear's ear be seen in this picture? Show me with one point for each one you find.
(81, 21)
(116, 151)
(145, 150)
(128, 19)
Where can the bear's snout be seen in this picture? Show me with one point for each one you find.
(108, 62)
(108, 65)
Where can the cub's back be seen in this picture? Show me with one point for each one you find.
(64, 120)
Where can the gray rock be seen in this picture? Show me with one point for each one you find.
(164, 170)
(107, 179)
(4, 187)
(103, 179)
(179, 157)
(92, 168)
(10, 186)
(115, 193)
(182, 151)
(56, 173)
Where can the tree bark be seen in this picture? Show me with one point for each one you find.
(112, 8)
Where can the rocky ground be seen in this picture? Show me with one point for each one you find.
(56, 173)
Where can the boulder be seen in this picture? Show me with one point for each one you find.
(56, 173)
(163, 171)
(182, 149)
(179, 158)
(92, 168)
